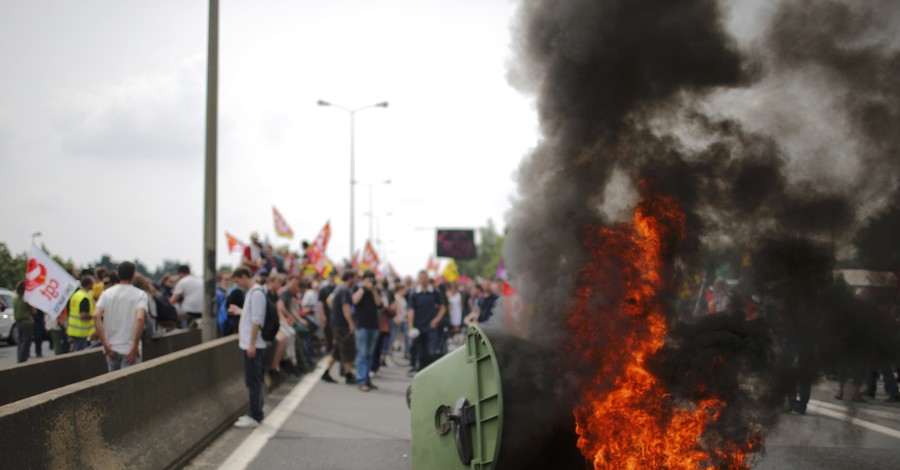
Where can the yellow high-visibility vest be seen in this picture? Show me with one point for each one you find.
(79, 328)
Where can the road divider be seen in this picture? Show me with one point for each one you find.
(157, 414)
(31, 378)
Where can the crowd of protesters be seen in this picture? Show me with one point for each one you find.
(358, 318)
(821, 324)
(117, 310)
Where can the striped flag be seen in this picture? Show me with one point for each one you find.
(281, 226)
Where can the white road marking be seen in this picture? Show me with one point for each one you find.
(858, 410)
(821, 410)
(249, 449)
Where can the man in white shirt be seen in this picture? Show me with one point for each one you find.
(187, 296)
(252, 345)
(119, 320)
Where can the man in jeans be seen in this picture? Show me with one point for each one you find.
(367, 301)
(253, 314)
(425, 310)
(119, 320)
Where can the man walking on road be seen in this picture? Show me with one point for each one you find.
(426, 308)
(253, 314)
(119, 320)
(368, 302)
(324, 317)
(344, 331)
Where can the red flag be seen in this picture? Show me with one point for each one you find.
(281, 226)
(233, 243)
(316, 251)
(369, 258)
(355, 261)
(508, 290)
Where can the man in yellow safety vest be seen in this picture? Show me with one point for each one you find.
(81, 311)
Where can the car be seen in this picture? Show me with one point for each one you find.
(7, 320)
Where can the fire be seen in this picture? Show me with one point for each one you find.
(626, 419)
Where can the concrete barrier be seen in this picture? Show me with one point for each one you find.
(31, 378)
(155, 415)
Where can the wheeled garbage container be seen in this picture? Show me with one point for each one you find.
(496, 403)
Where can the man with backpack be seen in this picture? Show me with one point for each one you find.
(251, 342)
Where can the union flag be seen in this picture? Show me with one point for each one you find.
(233, 243)
(316, 251)
(281, 226)
(369, 261)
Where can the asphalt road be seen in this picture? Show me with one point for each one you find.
(335, 426)
(339, 427)
(8, 353)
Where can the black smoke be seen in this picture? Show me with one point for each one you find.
(773, 124)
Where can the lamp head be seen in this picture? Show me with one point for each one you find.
(323, 103)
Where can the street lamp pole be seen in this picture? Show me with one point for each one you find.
(208, 323)
(352, 112)
(372, 204)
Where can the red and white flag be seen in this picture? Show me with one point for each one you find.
(281, 226)
(234, 244)
(316, 252)
(48, 286)
(369, 260)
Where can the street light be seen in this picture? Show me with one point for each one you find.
(378, 217)
(211, 151)
(34, 236)
(371, 203)
(378, 228)
(352, 112)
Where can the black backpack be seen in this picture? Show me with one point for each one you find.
(272, 323)
(165, 312)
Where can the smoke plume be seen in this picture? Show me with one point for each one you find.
(774, 125)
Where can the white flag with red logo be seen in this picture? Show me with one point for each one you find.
(316, 252)
(48, 286)
(281, 226)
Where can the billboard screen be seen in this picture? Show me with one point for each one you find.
(456, 243)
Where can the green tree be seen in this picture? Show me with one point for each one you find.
(490, 247)
(12, 267)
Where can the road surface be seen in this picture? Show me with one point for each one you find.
(335, 426)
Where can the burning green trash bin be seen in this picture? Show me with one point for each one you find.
(493, 403)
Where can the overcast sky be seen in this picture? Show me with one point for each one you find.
(102, 122)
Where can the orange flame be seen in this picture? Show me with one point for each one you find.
(626, 419)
